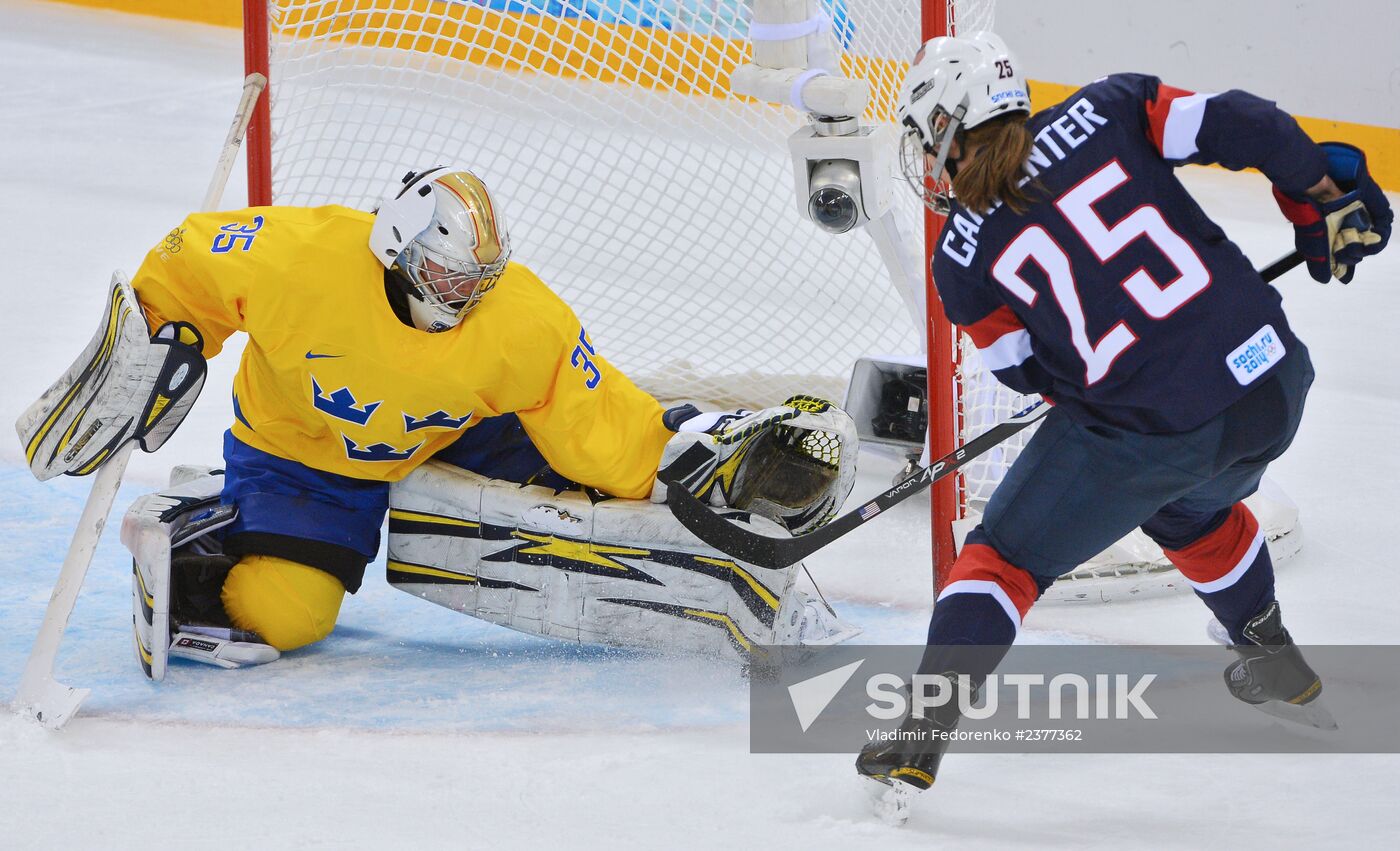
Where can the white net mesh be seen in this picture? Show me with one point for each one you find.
(657, 203)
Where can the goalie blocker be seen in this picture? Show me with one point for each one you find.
(126, 385)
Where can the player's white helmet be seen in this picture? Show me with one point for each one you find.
(445, 235)
(955, 83)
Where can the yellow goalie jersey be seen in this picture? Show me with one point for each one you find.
(330, 377)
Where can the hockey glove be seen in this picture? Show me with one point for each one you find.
(794, 463)
(1334, 236)
(126, 385)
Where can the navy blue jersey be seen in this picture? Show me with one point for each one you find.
(1115, 295)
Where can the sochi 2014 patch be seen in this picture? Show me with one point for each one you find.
(1256, 355)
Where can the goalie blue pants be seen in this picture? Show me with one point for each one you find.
(332, 522)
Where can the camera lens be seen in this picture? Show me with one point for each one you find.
(833, 209)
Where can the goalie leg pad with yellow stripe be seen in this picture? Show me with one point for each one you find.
(617, 572)
(126, 385)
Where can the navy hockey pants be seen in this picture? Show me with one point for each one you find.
(1076, 488)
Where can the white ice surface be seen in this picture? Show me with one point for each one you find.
(415, 726)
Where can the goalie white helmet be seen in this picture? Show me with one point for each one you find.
(445, 236)
(955, 84)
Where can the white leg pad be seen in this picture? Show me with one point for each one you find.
(621, 572)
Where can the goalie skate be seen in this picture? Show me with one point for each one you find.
(222, 647)
(812, 623)
(168, 536)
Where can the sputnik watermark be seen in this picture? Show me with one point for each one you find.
(1058, 698)
(1064, 696)
(1113, 696)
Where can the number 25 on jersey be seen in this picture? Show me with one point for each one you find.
(1146, 222)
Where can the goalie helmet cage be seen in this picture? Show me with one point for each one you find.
(655, 201)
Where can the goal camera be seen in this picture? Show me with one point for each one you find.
(887, 397)
(843, 172)
(834, 204)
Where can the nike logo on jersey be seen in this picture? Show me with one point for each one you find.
(314, 356)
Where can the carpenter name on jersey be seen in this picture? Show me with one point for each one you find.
(1114, 294)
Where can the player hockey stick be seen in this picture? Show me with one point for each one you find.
(765, 551)
(1285, 263)
(40, 695)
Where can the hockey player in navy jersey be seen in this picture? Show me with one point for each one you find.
(1084, 271)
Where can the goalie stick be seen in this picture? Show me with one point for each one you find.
(712, 527)
(40, 696)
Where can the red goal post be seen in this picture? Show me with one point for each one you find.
(944, 429)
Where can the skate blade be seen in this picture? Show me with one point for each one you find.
(890, 800)
(1313, 714)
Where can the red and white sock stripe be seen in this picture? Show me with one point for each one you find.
(1218, 560)
(980, 569)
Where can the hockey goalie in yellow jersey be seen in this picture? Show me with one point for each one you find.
(376, 342)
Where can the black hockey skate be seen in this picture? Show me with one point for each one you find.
(201, 629)
(908, 763)
(1272, 676)
(196, 581)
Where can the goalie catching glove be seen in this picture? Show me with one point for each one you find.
(1333, 236)
(126, 385)
(794, 463)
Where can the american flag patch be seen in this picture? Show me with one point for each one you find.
(869, 511)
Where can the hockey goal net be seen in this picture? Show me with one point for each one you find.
(658, 203)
